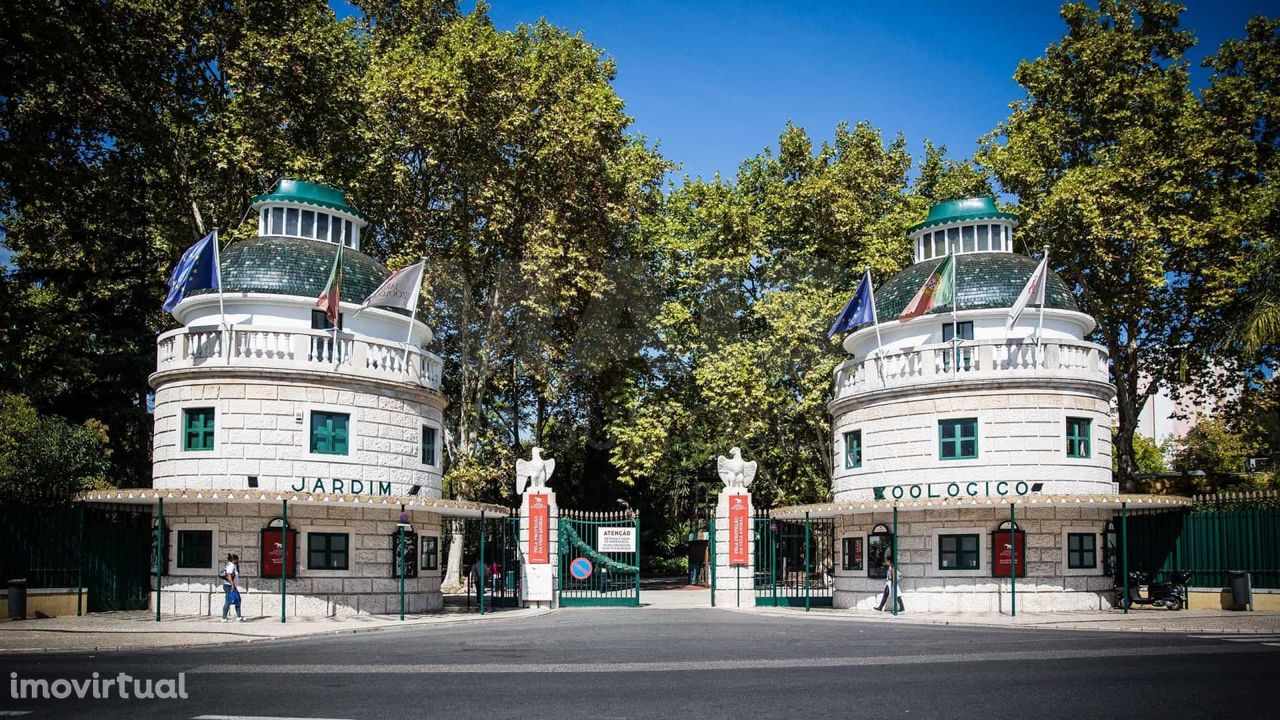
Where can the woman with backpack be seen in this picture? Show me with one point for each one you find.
(230, 586)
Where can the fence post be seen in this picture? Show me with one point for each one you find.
(159, 552)
(636, 514)
(284, 554)
(893, 580)
(80, 562)
(484, 569)
(806, 562)
(1013, 563)
(1124, 553)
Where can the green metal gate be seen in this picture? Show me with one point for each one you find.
(613, 574)
(492, 555)
(794, 561)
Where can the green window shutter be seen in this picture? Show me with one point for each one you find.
(330, 434)
(1079, 432)
(853, 449)
(428, 445)
(197, 429)
(958, 439)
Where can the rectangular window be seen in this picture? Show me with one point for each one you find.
(327, 551)
(851, 553)
(322, 226)
(428, 445)
(853, 449)
(957, 552)
(939, 244)
(329, 432)
(291, 221)
(277, 221)
(430, 553)
(958, 439)
(984, 238)
(263, 221)
(965, 331)
(195, 549)
(320, 321)
(1082, 551)
(967, 234)
(346, 232)
(197, 429)
(997, 237)
(953, 239)
(963, 355)
(1078, 435)
(308, 223)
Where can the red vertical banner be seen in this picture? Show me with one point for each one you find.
(739, 527)
(1006, 550)
(539, 529)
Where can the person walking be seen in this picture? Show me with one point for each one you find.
(230, 586)
(892, 584)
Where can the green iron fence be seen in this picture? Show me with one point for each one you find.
(104, 549)
(495, 558)
(594, 568)
(794, 561)
(1221, 533)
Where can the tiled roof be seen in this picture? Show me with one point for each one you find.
(975, 208)
(293, 266)
(983, 281)
(300, 191)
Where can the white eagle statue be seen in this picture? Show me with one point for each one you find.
(734, 471)
(534, 473)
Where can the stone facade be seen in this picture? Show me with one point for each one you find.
(1021, 437)
(369, 586)
(262, 432)
(1048, 585)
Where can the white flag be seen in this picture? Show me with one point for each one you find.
(400, 290)
(1032, 293)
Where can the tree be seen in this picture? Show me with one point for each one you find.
(1110, 168)
(45, 459)
(504, 157)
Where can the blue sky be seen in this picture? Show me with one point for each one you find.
(715, 82)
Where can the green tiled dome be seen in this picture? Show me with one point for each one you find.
(300, 191)
(983, 281)
(977, 208)
(293, 266)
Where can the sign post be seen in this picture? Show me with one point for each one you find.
(159, 553)
(400, 563)
(1013, 564)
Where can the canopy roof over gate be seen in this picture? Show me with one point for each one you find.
(861, 507)
(147, 496)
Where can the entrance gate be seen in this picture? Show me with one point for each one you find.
(491, 543)
(599, 559)
(794, 561)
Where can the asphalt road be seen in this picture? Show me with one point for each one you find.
(659, 663)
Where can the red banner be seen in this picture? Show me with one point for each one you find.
(739, 527)
(539, 529)
(1005, 549)
(275, 553)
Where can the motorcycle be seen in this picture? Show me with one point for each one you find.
(1171, 595)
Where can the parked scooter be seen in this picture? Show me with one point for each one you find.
(1171, 595)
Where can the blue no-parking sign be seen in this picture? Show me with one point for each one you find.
(580, 568)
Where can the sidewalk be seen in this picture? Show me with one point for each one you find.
(139, 630)
(1138, 620)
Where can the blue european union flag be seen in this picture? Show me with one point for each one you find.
(859, 311)
(197, 269)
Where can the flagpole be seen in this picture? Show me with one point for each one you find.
(1044, 291)
(337, 317)
(413, 314)
(875, 320)
(217, 269)
(955, 298)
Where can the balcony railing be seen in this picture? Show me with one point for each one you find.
(295, 349)
(973, 360)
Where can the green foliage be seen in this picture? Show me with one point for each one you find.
(1116, 169)
(1148, 455)
(45, 459)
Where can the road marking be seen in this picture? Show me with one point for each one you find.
(1252, 639)
(253, 717)
(14, 713)
(1224, 636)
(713, 665)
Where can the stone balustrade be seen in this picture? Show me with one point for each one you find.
(296, 349)
(970, 361)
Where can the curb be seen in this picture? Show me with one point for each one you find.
(248, 639)
(1067, 625)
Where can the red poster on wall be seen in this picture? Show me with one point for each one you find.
(275, 552)
(1005, 549)
(739, 527)
(539, 529)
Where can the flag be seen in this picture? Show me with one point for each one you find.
(938, 289)
(859, 311)
(331, 296)
(1032, 293)
(400, 290)
(197, 269)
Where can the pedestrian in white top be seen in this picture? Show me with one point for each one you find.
(230, 586)
(892, 584)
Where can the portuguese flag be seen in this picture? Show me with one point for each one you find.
(331, 296)
(938, 289)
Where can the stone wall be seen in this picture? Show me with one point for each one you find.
(262, 431)
(367, 587)
(1021, 437)
(1048, 585)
